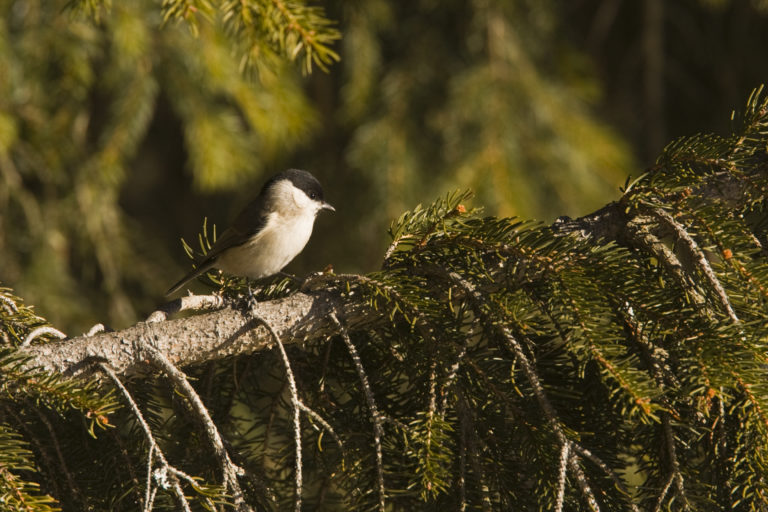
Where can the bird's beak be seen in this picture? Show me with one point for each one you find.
(326, 206)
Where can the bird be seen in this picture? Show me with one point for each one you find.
(269, 232)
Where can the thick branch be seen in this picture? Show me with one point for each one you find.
(195, 339)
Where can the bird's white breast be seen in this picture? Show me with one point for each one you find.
(281, 239)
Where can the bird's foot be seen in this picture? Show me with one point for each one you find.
(250, 300)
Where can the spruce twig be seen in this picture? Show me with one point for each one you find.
(181, 500)
(663, 494)
(565, 452)
(673, 462)
(468, 426)
(229, 470)
(9, 305)
(327, 426)
(378, 431)
(295, 402)
(640, 234)
(149, 493)
(60, 456)
(538, 390)
(581, 479)
(700, 259)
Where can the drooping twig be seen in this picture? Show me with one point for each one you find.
(327, 426)
(181, 500)
(469, 431)
(378, 431)
(229, 470)
(148, 497)
(565, 455)
(660, 374)
(463, 462)
(47, 461)
(641, 236)
(533, 380)
(296, 402)
(617, 481)
(674, 464)
(700, 258)
(664, 491)
(573, 463)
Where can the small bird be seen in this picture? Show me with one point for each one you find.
(269, 232)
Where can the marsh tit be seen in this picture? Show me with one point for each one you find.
(269, 232)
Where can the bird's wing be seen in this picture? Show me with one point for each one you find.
(248, 222)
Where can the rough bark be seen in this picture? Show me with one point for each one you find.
(194, 339)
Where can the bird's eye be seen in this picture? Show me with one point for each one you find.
(313, 195)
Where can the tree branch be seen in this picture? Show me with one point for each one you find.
(229, 470)
(208, 336)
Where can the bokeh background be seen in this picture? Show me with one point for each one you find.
(120, 133)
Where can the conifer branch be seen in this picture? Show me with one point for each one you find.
(181, 500)
(565, 452)
(229, 470)
(640, 234)
(581, 479)
(538, 390)
(453, 372)
(617, 481)
(149, 491)
(208, 336)
(663, 494)
(9, 305)
(19, 493)
(462, 459)
(378, 431)
(191, 481)
(296, 403)
(73, 487)
(510, 325)
(327, 426)
(657, 357)
(700, 258)
(468, 428)
(24, 427)
(669, 437)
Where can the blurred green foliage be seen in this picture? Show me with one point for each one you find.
(78, 96)
(124, 124)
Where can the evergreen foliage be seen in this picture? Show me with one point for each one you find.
(120, 122)
(480, 95)
(503, 365)
(16, 493)
(78, 98)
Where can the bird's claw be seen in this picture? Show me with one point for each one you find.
(250, 297)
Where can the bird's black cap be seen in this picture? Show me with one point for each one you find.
(302, 180)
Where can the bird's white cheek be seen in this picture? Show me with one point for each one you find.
(301, 199)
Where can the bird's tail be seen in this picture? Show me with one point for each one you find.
(204, 267)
